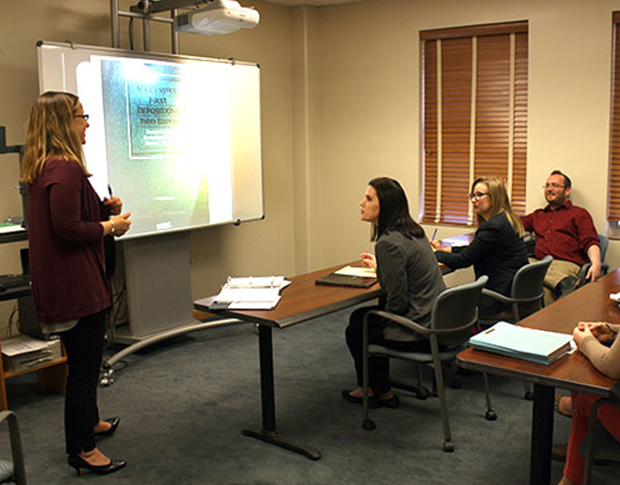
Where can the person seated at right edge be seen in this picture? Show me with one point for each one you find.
(410, 281)
(497, 249)
(567, 233)
(592, 339)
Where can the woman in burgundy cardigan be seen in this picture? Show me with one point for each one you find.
(66, 226)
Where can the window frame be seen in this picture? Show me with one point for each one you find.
(473, 139)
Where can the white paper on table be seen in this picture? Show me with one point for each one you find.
(256, 282)
(229, 295)
(357, 271)
(253, 305)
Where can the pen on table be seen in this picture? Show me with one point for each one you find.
(434, 234)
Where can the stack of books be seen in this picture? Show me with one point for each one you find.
(524, 343)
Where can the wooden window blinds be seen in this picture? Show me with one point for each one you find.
(474, 115)
(613, 213)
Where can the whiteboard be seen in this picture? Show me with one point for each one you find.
(178, 138)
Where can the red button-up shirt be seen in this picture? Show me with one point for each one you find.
(565, 232)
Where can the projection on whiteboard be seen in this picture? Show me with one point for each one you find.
(178, 140)
(159, 125)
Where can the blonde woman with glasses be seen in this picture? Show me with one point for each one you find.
(67, 223)
(497, 249)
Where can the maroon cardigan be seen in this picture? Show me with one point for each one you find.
(66, 244)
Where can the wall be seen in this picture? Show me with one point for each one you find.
(369, 104)
(340, 103)
(265, 247)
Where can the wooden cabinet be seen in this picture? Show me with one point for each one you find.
(52, 374)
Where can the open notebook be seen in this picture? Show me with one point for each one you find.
(350, 276)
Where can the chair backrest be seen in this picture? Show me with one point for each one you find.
(604, 244)
(456, 310)
(527, 287)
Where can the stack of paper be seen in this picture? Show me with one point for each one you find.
(522, 343)
(358, 271)
(8, 227)
(23, 352)
(251, 293)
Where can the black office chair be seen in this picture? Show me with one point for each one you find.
(526, 295)
(453, 315)
(15, 471)
(599, 446)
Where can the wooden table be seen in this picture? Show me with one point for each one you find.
(301, 301)
(573, 372)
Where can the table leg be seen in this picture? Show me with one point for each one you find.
(268, 432)
(542, 435)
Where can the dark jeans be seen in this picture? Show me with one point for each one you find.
(84, 347)
(379, 367)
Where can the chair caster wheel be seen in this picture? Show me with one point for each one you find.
(529, 396)
(490, 415)
(369, 425)
(422, 394)
(448, 446)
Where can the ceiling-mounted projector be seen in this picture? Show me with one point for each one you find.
(219, 17)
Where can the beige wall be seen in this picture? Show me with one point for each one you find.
(340, 105)
(369, 103)
(265, 247)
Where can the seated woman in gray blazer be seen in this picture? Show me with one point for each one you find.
(410, 281)
(497, 249)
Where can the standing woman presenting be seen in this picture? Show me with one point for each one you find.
(66, 226)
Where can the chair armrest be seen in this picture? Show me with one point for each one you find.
(416, 327)
(405, 322)
(496, 296)
(505, 299)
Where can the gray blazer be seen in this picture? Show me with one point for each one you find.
(410, 278)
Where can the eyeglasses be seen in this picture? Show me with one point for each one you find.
(82, 116)
(553, 186)
(477, 195)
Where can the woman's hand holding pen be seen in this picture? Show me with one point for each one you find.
(114, 205)
(436, 245)
(369, 260)
(119, 225)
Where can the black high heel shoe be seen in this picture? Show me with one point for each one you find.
(77, 463)
(114, 422)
